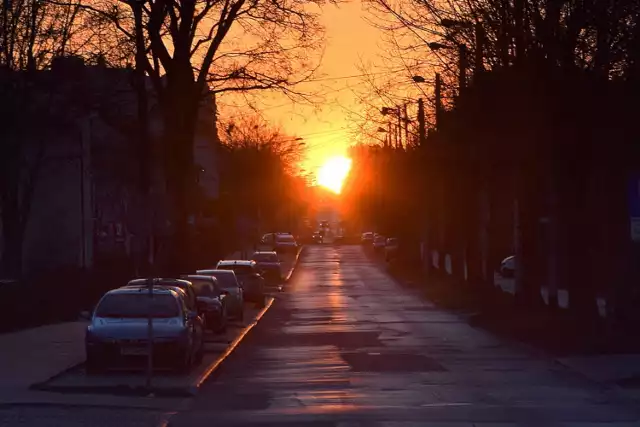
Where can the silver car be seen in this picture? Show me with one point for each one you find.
(234, 293)
(249, 277)
(118, 330)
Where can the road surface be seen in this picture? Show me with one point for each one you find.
(347, 346)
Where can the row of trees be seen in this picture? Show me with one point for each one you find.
(184, 50)
(531, 154)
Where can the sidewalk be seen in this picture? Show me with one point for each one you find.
(35, 355)
(611, 369)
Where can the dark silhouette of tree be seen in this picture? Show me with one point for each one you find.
(196, 48)
(261, 175)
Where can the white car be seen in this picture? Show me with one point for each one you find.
(508, 267)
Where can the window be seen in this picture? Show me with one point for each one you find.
(135, 306)
(204, 288)
(240, 270)
(226, 280)
(264, 257)
(286, 239)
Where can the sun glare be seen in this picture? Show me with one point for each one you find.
(333, 173)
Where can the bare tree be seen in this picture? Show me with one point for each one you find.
(262, 167)
(201, 47)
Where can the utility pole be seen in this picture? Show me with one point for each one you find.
(144, 145)
(438, 93)
(462, 67)
(479, 53)
(421, 125)
(406, 125)
(504, 34)
(399, 115)
(519, 29)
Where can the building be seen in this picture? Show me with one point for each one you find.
(86, 206)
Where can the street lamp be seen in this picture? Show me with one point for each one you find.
(479, 35)
(462, 61)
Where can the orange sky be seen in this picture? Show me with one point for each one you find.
(350, 39)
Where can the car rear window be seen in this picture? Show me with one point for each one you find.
(135, 306)
(285, 238)
(240, 270)
(262, 257)
(225, 280)
(204, 288)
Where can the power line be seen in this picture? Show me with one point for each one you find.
(354, 76)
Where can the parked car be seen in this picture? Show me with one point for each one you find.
(280, 242)
(210, 300)
(379, 243)
(118, 330)
(249, 276)
(507, 267)
(269, 265)
(391, 248)
(228, 281)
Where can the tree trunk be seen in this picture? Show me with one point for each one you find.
(180, 122)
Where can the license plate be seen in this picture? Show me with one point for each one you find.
(134, 351)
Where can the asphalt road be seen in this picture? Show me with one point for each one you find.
(345, 345)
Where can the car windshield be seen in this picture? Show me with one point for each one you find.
(225, 280)
(204, 288)
(240, 270)
(392, 241)
(136, 306)
(380, 239)
(264, 257)
(367, 235)
(285, 239)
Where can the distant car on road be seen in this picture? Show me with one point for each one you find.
(390, 248)
(269, 264)
(280, 242)
(249, 276)
(118, 330)
(228, 281)
(507, 267)
(379, 243)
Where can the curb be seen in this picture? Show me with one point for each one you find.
(295, 264)
(230, 348)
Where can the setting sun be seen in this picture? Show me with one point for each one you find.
(333, 173)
